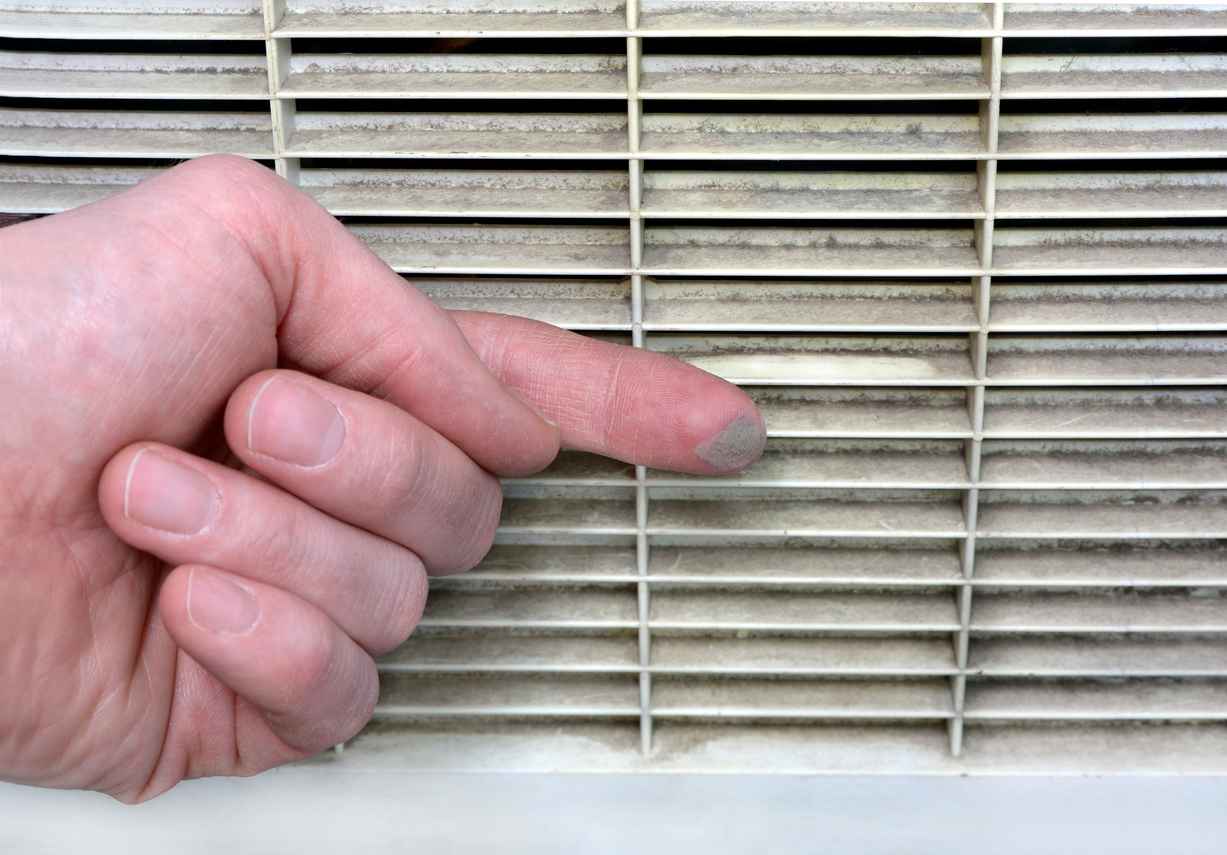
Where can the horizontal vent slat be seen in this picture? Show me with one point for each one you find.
(812, 78)
(440, 134)
(1062, 701)
(741, 305)
(831, 565)
(1111, 464)
(694, 609)
(47, 75)
(499, 249)
(677, 698)
(1128, 515)
(570, 303)
(1054, 657)
(1114, 76)
(819, 463)
(1092, 563)
(1105, 412)
(99, 133)
(881, 361)
(557, 18)
(775, 18)
(801, 411)
(200, 24)
(814, 518)
(1108, 19)
(1123, 193)
(780, 194)
(404, 694)
(455, 76)
(468, 193)
(1099, 613)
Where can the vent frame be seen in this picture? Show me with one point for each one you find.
(628, 273)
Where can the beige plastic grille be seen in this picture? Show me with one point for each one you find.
(970, 258)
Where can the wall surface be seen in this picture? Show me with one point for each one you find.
(305, 810)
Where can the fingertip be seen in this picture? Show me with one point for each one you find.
(172, 601)
(736, 445)
(313, 684)
(237, 419)
(535, 452)
(115, 482)
(727, 431)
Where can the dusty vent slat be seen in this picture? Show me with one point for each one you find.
(1115, 19)
(478, 193)
(1157, 75)
(700, 304)
(102, 133)
(775, 18)
(47, 75)
(1066, 701)
(1110, 413)
(1104, 133)
(578, 304)
(132, 19)
(458, 135)
(921, 360)
(750, 133)
(812, 78)
(865, 412)
(810, 195)
(726, 699)
(1133, 305)
(1149, 656)
(589, 250)
(50, 189)
(1119, 193)
(467, 18)
(453, 76)
(1089, 564)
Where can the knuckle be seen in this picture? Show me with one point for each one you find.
(316, 668)
(400, 610)
(364, 703)
(400, 478)
(480, 524)
(228, 168)
(283, 548)
(239, 194)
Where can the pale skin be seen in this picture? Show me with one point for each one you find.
(233, 446)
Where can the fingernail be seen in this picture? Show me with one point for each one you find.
(739, 444)
(163, 494)
(215, 604)
(293, 424)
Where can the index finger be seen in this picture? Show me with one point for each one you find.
(630, 404)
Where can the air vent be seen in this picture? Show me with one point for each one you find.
(969, 258)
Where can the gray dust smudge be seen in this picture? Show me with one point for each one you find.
(738, 444)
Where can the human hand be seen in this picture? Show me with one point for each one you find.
(233, 443)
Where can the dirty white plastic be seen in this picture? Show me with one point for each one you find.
(989, 533)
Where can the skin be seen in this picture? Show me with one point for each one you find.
(234, 444)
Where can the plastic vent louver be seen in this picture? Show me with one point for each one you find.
(971, 259)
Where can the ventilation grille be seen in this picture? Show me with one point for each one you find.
(970, 259)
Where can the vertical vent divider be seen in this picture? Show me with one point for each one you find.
(277, 54)
(634, 165)
(990, 114)
(277, 58)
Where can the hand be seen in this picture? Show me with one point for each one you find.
(233, 443)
